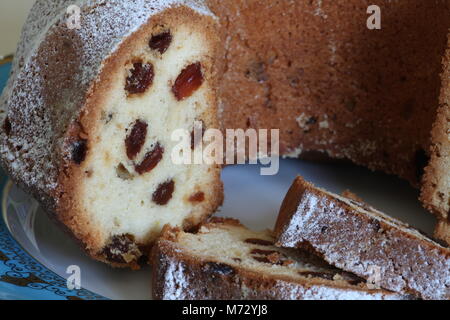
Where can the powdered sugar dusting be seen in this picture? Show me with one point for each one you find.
(175, 282)
(54, 68)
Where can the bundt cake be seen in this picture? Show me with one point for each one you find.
(89, 110)
(226, 261)
(357, 238)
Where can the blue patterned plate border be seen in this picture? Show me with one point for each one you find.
(21, 276)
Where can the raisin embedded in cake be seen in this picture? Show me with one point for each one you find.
(357, 238)
(96, 120)
(246, 265)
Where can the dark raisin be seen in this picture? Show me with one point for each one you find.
(219, 268)
(136, 139)
(161, 42)
(120, 246)
(259, 242)
(151, 160)
(140, 78)
(324, 229)
(7, 126)
(189, 80)
(79, 151)
(312, 274)
(197, 197)
(164, 193)
(422, 160)
(263, 252)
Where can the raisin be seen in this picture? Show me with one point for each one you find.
(189, 80)
(7, 126)
(197, 197)
(161, 42)
(79, 151)
(119, 247)
(220, 268)
(151, 160)
(259, 242)
(164, 193)
(136, 139)
(263, 252)
(140, 78)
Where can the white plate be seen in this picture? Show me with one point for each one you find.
(250, 197)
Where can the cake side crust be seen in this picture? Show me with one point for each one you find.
(367, 244)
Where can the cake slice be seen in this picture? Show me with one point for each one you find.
(225, 260)
(436, 183)
(89, 113)
(357, 238)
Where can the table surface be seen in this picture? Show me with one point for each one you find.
(12, 17)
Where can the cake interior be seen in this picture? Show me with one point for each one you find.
(239, 247)
(132, 186)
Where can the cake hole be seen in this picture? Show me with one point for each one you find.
(140, 78)
(257, 71)
(136, 139)
(151, 160)
(161, 42)
(189, 81)
(164, 193)
(123, 172)
(79, 151)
